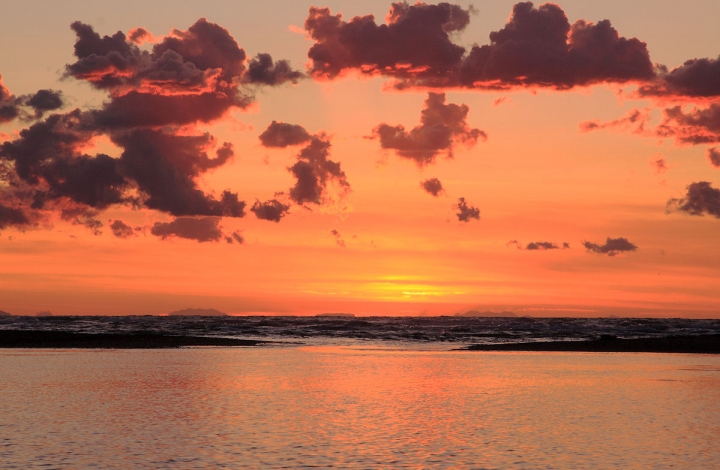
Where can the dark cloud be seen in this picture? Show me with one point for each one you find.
(442, 126)
(541, 246)
(121, 230)
(12, 217)
(164, 167)
(538, 246)
(281, 134)
(612, 246)
(154, 96)
(203, 229)
(236, 237)
(272, 210)
(40, 102)
(134, 109)
(432, 186)
(537, 47)
(701, 198)
(415, 38)
(43, 101)
(45, 157)
(338, 238)
(696, 79)
(713, 156)
(263, 70)
(314, 171)
(465, 212)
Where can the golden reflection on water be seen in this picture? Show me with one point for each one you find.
(357, 407)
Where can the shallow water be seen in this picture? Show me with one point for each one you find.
(356, 407)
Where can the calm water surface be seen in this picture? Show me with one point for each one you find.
(353, 407)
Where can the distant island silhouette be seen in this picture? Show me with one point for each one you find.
(197, 312)
(350, 315)
(5, 314)
(486, 314)
(44, 313)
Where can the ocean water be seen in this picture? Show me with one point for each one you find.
(368, 404)
(407, 332)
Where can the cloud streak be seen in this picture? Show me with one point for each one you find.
(612, 246)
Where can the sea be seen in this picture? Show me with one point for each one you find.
(359, 392)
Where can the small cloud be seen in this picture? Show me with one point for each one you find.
(204, 229)
(432, 186)
(713, 156)
(338, 238)
(282, 134)
(612, 246)
(465, 212)
(701, 198)
(659, 164)
(272, 210)
(442, 126)
(121, 230)
(235, 237)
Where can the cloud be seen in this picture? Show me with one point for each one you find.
(281, 135)
(43, 101)
(272, 210)
(11, 107)
(542, 246)
(140, 36)
(695, 80)
(164, 167)
(612, 247)
(313, 171)
(79, 215)
(658, 163)
(46, 158)
(416, 37)
(12, 217)
(262, 70)
(695, 126)
(204, 229)
(634, 121)
(432, 186)
(121, 230)
(442, 126)
(538, 246)
(537, 47)
(465, 212)
(338, 238)
(235, 237)
(701, 198)
(713, 156)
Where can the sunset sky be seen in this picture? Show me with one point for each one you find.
(295, 157)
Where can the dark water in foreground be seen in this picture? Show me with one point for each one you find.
(406, 331)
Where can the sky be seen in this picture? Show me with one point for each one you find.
(370, 157)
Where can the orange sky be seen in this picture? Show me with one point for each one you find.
(626, 197)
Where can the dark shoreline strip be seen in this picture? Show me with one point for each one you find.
(72, 340)
(696, 344)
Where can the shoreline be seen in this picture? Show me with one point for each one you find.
(31, 339)
(689, 344)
